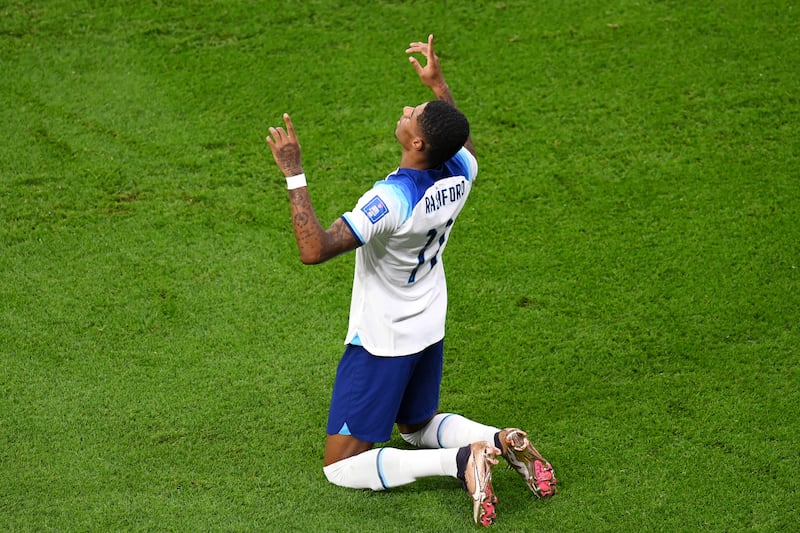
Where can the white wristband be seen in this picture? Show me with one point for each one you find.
(295, 182)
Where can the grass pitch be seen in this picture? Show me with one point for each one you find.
(624, 282)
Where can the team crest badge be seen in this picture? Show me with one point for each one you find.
(375, 209)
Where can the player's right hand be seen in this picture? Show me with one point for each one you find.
(285, 148)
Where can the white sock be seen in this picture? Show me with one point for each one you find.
(447, 430)
(384, 468)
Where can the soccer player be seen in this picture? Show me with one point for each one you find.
(391, 369)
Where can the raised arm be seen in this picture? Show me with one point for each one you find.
(431, 76)
(314, 243)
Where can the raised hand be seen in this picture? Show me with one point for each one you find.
(431, 73)
(285, 148)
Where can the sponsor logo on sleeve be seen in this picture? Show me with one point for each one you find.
(375, 209)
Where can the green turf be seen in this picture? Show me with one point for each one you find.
(624, 282)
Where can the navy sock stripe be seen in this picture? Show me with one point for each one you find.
(379, 466)
(439, 431)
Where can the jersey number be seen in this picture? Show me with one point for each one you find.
(421, 259)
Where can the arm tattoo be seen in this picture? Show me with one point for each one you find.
(447, 97)
(340, 235)
(314, 243)
(301, 219)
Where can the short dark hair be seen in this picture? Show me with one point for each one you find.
(445, 130)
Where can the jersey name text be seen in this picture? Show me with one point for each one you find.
(442, 197)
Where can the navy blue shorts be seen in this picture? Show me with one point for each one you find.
(373, 393)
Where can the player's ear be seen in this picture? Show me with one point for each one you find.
(418, 143)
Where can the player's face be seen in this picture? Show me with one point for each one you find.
(408, 127)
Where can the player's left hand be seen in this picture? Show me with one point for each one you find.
(285, 148)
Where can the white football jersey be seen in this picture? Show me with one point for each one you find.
(399, 299)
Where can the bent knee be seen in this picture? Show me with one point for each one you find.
(333, 473)
(414, 439)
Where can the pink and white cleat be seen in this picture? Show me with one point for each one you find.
(477, 480)
(525, 459)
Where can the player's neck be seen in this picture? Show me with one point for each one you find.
(413, 160)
